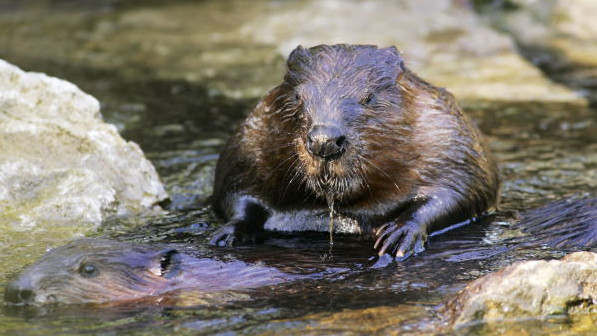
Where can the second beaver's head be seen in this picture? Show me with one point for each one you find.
(98, 270)
(94, 270)
(340, 120)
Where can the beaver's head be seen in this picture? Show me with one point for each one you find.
(342, 114)
(96, 270)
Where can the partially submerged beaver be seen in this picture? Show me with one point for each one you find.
(101, 270)
(351, 128)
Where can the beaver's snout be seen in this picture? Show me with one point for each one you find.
(19, 291)
(326, 142)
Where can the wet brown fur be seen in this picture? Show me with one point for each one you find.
(101, 270)
(412, 145)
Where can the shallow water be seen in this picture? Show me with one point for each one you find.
(546, 152)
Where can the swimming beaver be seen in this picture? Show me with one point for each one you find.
(101, 270)
(351, 128)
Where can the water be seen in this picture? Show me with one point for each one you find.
(546, 152)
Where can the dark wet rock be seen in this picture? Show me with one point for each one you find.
(60, 164)
(535, 288)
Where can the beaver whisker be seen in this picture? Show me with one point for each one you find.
(381, 171)
(275, 169)
(361, 181)
(364, 182)
(291, 168)
(283, 162)
(296, 173)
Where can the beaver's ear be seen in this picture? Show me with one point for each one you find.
(393, 57)
(169, 260)
(298, 61)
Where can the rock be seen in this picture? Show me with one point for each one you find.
(558, 35)
(443, 41)
(59, 162)
(567, 27)
(240, 48)
(535, 288)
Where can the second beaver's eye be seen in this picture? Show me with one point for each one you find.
(366, 100)
(88, 270)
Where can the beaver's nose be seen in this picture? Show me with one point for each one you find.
(19, 291)
(326, 142)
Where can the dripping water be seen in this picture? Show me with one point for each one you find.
(330, 200)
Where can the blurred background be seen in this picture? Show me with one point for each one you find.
(177, 76)
(478, 49)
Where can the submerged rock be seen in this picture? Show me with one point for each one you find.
(535, 288)
(59, 162)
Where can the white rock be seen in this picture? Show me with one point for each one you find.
(59, 162)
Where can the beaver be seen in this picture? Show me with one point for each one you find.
(95, 270)
(352, 129)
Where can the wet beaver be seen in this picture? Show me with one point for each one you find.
(351, 128)
(101, 270)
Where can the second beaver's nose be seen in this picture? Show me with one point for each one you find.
(19, 292)
(326, 142)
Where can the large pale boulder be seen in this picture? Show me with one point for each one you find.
(59, 162)
(535, 288)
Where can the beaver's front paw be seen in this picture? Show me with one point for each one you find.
(236, 232)
(402, 239)
(224, 236)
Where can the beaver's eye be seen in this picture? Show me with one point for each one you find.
(296, 98)
(88, 270)
(366, 99)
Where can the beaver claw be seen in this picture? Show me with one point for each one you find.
(224, 236)
(236, 232)
(405, 240)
